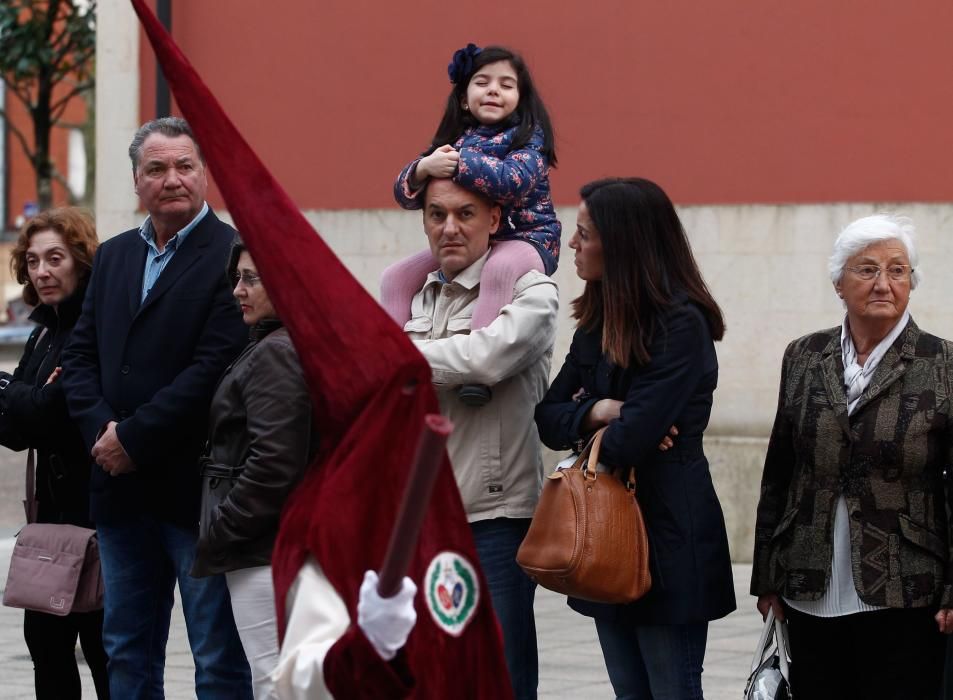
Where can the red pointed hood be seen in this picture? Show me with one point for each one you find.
(315, 295)
(357, 363)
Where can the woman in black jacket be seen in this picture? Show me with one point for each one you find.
(643, 360)
(52, 259)
(261, 427)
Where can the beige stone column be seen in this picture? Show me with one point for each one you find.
(117, 114)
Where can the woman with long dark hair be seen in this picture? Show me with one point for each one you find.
(643, 360)
(52, 259)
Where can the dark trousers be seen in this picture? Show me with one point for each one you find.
(947, 692)
(653, 662)
(882, 655)
(513, 593)
(143, 559)
(52, 643)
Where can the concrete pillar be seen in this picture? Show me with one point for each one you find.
(117, 114)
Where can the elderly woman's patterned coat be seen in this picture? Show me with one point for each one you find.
(888, 460)
(517, 180)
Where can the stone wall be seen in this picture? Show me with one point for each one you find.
(766, 266)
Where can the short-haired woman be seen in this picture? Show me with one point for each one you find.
(852, 540)
(261, 426)
(643, 360)
(52, 259)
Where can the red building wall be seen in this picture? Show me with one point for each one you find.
(721, 102)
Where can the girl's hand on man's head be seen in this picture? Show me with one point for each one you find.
(442, 163)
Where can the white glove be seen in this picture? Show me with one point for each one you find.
(386, 622)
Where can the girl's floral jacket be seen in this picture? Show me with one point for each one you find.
(516, 180)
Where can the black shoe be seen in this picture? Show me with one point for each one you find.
(475, 395)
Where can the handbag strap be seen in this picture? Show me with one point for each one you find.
(29, 502)
(774, 633)
(595, 444)
(764, 643)
(781, 638)
(591, 455)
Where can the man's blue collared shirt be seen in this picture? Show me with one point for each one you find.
(156, 260)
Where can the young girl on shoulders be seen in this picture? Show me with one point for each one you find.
(496, 139)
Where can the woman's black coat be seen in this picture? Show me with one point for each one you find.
(34, 414)
(689, 559)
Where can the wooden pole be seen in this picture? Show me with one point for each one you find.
(413, 508)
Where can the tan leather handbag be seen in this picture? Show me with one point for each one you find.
(588, 538)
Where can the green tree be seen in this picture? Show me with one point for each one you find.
(47, 50)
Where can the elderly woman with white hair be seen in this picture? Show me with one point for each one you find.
(852, 541)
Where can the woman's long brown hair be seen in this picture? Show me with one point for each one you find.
(646, 260)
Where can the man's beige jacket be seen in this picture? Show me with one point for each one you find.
(494, 449)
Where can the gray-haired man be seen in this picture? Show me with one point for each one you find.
(158, 328)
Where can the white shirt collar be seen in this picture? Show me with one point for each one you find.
(467, 278)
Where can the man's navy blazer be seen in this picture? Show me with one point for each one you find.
(152, 367)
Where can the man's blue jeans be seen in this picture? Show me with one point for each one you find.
(142, 559)
(654, 662)
(512, 592)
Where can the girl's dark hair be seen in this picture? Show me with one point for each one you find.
(79, 233)
(647, 260)
(530, 111)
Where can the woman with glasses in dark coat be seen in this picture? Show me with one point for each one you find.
(260, 427)
(52, 259)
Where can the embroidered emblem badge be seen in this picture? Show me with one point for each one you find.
(452, 592)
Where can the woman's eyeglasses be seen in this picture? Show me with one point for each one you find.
(246, 278)
(896, 273)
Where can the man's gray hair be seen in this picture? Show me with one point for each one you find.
(167, 126)
(864, 232)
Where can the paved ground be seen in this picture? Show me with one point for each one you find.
(570, 662)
